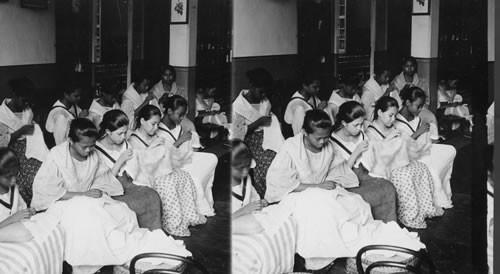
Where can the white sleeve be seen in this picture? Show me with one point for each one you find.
(238, 127)
(298, 119)
(61, 129)
(4, 136)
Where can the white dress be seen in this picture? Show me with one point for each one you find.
(200, 165)
(59, 119)
(439, 160)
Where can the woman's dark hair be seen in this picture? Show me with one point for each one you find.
(314, 119)
(22, 87)
(113, 120)
(378, 70)
(172, 70)
(80, 127)
(352, 81)
(9, 163)
(410, 59)
(146, 113)
(113, 87)
(383, 104)
(172, 102)
(260, 77)
(411, 94)
(241, 155)
(348, 112)
(139, 76)
(308, 78)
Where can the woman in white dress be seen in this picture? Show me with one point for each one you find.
(76, 188)
(437, 157)
(186, 142)
(412, 179)
(108, 101)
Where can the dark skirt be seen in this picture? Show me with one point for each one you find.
(27, 173)
(378, 192)
(144, 201)
(262, 157)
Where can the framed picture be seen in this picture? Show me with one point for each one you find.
(179, 11)
(421, 7)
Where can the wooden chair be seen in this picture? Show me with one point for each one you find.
(411, 265)
(186, 261)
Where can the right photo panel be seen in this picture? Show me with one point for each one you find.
(360, 133)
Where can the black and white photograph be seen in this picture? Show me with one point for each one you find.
(247, 136)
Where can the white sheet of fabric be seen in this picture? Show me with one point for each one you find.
(97, 111)
(291, 167)
(145, 164)
(372, 91)
(201, 167)
(335, 224)
(131, 100)
(59, 119)
(35, 144)
(273, 138)
(17, 204)
(336, 101)
(296, 110)
(98, 231)
(439, 160)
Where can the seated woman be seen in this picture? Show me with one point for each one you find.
(348, 91)
(75, 187)
(303, 100)
(255, 249)
(411, 178)
(308, 179)
(200, 165)
(19, 132)
(63, 112)
(437, 157)
(13, 209)
(136, 96)
(410, 78)
(254, 123)
(377, 86)
(349, 143)
(150, 167)
(207, 110)
(105, 103)
(452, 102)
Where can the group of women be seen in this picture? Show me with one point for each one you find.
(120, 181)
(373, 149)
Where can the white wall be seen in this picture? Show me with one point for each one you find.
(183, 39)
(491, 30)
(27, 36)
(425, 33)
(264, 27)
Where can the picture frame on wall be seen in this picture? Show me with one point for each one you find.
(179, 11)
(421, 7)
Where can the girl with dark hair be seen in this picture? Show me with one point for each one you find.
(19, 132)
(76, 187)
(186, 143)
(64, 111)
(108, 101)
(136, 96)
(142, 170)
(253, 122)
(303, 100)
(409, 78)
(167, 84)
(377, 86)
(437, 157)
(412, 179)
(348, 91)
(350, 143)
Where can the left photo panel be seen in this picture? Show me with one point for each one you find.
(114, 125)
